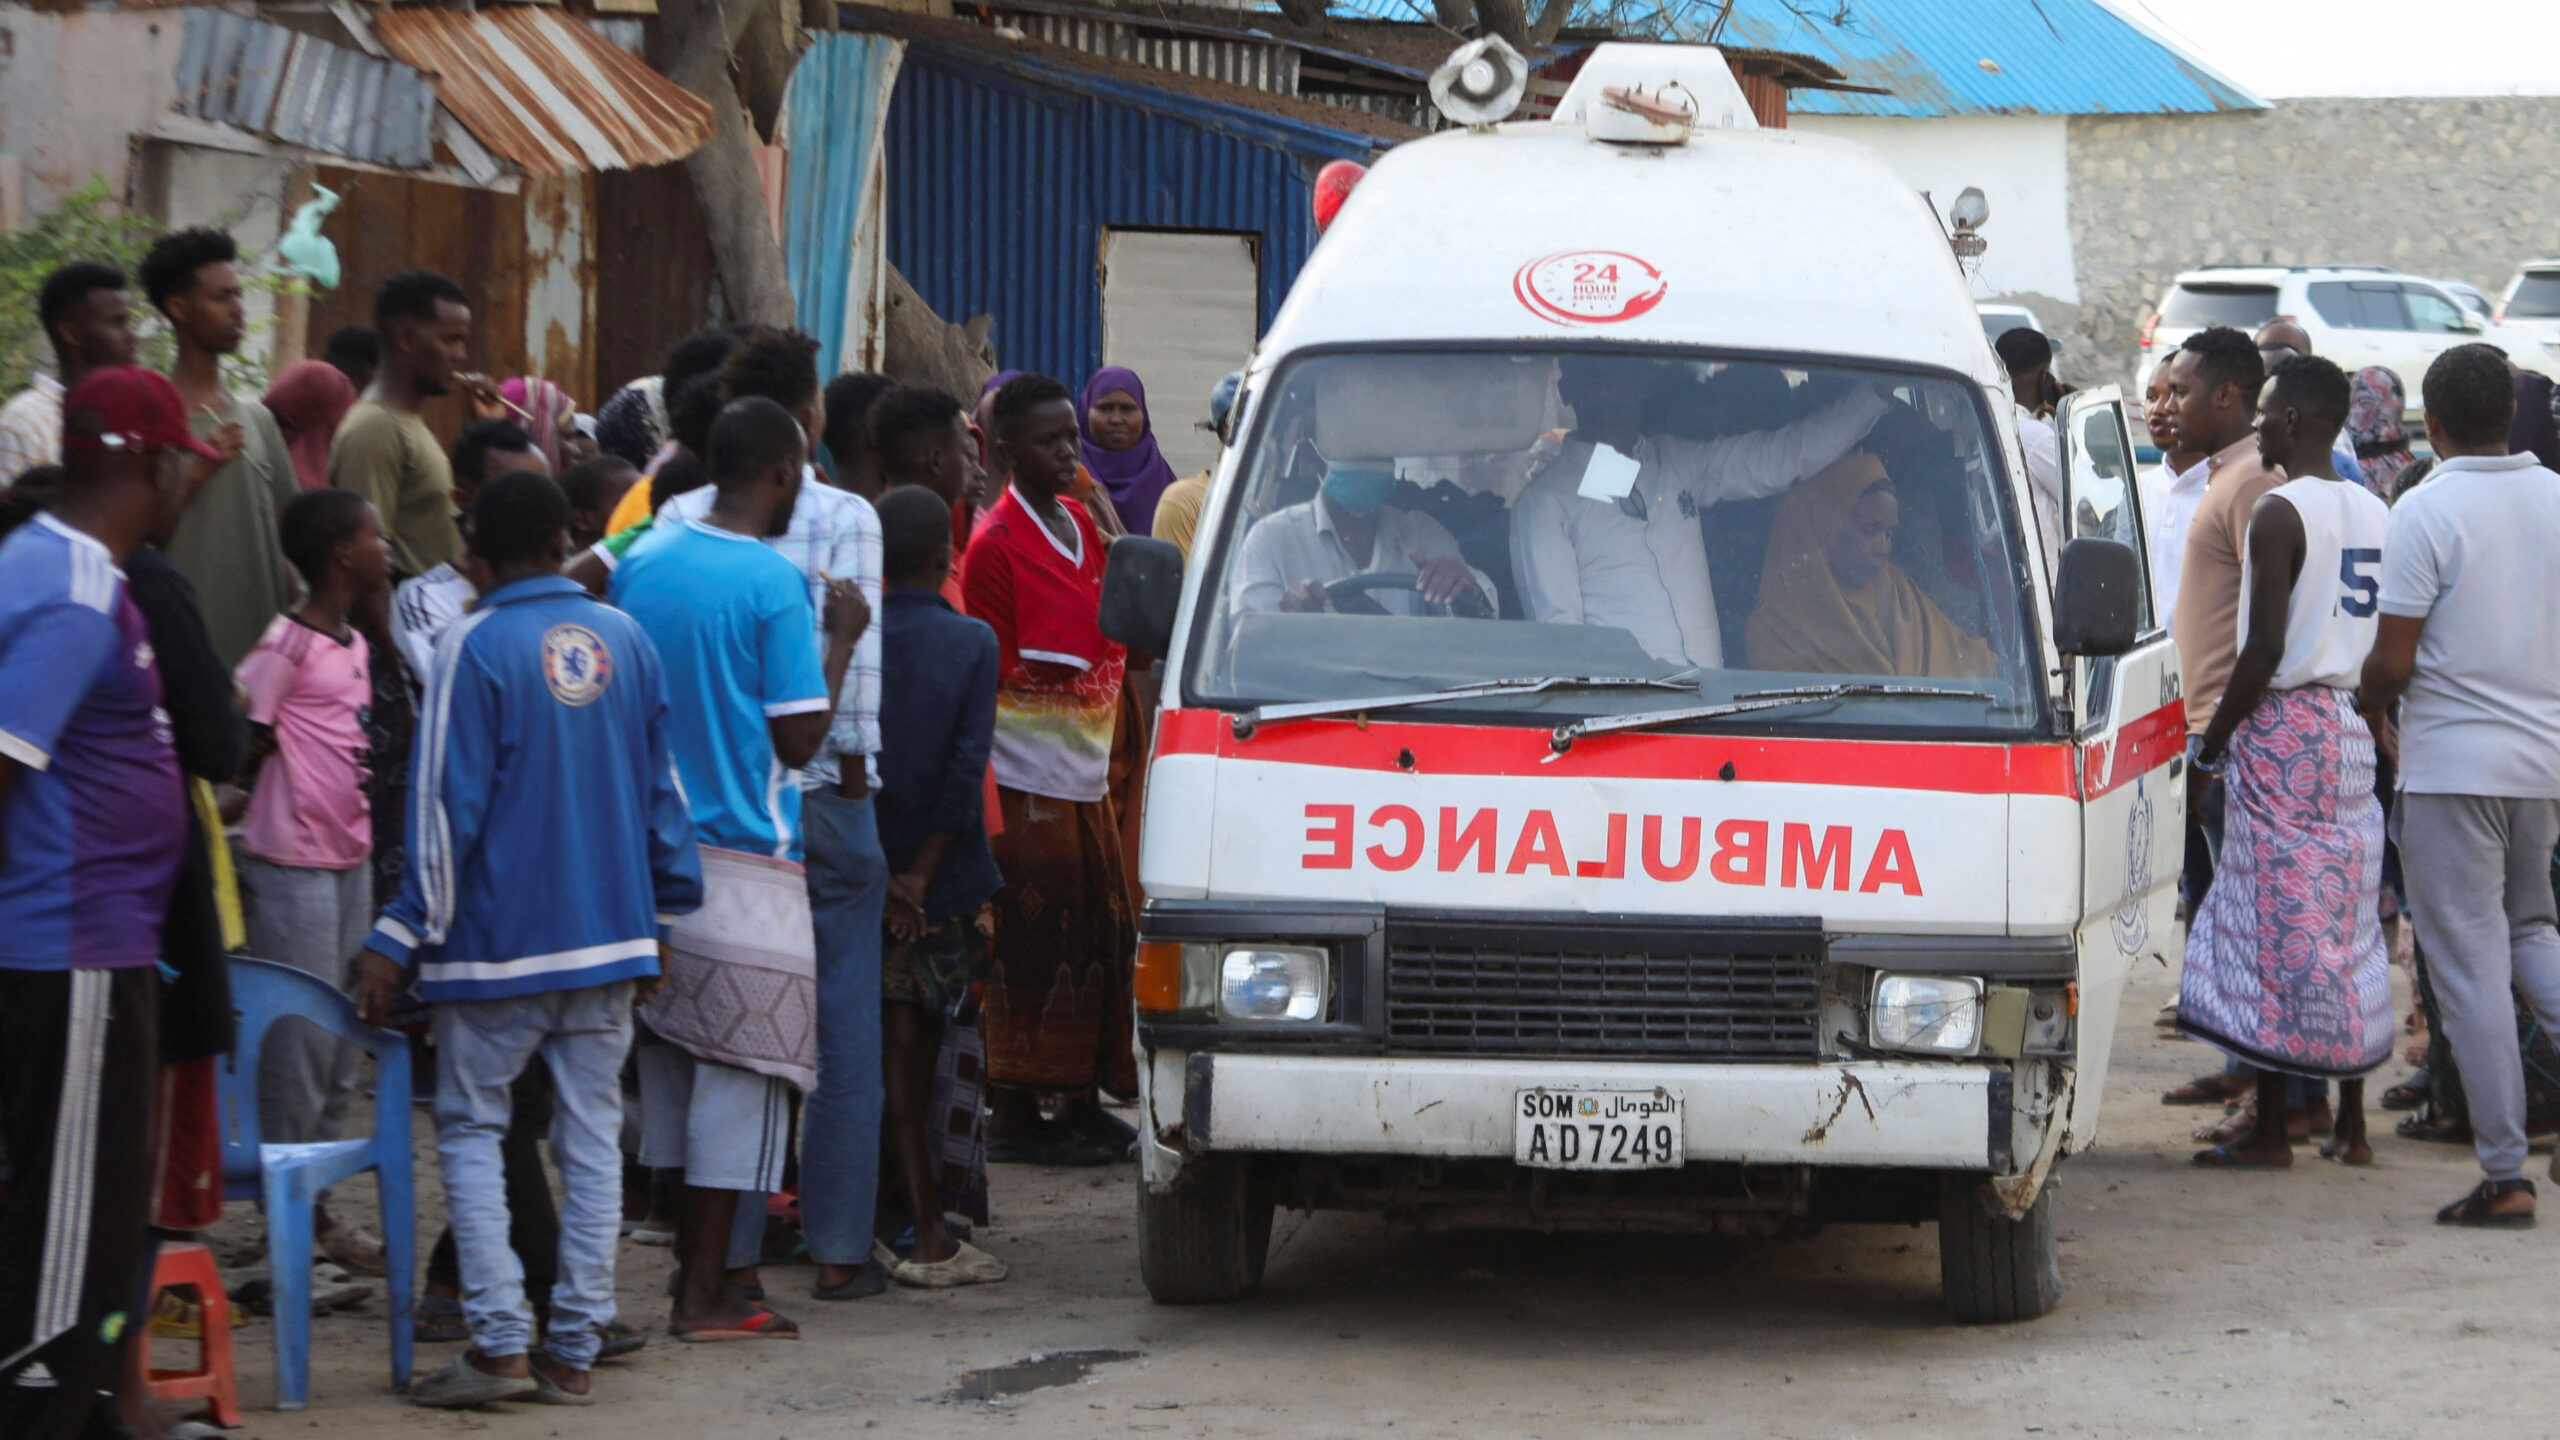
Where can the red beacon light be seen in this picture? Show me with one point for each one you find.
(1334, 184)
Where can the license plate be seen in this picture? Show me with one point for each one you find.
(1597, 1129)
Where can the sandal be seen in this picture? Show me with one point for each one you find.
(618, 1339)
(2473, 1209)
(761, 1324)
(2409, 1094)
(2209, 1089)
(2425, 1126)
(438, 1321)
(2220, 1157)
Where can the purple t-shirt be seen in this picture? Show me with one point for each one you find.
(96, 823)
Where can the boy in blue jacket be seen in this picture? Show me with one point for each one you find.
(549, 843)
(937, 723)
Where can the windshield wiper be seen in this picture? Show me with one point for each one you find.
(1251, 720)
(1757, 700)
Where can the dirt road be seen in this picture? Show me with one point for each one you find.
(2315, 1302)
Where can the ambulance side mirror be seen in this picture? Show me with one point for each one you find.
(2097, 603)
(2097, 599)
(1141, 593)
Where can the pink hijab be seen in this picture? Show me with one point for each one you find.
(548, 405)
(308, 400)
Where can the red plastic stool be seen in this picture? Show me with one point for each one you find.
(190, 1267)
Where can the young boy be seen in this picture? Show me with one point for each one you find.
(938, 683)
(305, 876)
(594, 488)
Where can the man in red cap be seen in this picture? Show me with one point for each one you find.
(92, 825)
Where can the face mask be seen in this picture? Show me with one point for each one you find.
(1358, 490)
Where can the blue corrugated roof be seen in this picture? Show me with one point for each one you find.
(1003, 172)
(2044, 57)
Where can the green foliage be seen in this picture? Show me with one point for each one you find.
(87, 225)
(91, 225)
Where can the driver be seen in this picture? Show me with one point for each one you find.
(1349, 529)
(1630, 554)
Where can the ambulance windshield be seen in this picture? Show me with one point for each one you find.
(1408, 521)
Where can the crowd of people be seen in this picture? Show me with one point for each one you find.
(733, 787)
(2373, 747)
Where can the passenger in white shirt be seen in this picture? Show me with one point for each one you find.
(2169, 492)
(2029, 358)
(1349, 529)
(1592, 546)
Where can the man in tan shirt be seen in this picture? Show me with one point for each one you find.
(2213, 383)
(384, 450)
(2213, 396)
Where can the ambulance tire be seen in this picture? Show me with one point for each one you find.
(1995, 1271)
(1203, 1241)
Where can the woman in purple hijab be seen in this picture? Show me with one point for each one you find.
(1120, 446)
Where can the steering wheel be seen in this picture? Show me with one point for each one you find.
(1351, 596)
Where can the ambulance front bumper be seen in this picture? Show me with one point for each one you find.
(1948, 1115)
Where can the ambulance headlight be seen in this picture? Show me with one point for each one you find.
(1273, 982)
(1926, 1014)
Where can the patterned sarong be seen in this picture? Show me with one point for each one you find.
(742, 971)
(2285, 963)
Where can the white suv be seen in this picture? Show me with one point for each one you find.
(2356, 315)
(2528, 320)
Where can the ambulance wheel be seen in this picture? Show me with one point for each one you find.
(1203, 1240)
(1992, 1270)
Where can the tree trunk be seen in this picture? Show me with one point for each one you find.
(1305, 14)
(745, 253)
(1542, 32)
(1506, 18)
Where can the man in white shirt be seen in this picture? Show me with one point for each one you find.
(1608, 533)
(1349, 529)
(2029, 358)
(2470, 607)
(90, 322)
(2170, 492)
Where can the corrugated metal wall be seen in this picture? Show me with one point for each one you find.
(1002, 178)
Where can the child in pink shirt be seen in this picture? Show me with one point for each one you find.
(305, 846)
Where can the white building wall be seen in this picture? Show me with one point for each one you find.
(2021, 163)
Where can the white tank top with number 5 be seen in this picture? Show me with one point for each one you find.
(2336, 611)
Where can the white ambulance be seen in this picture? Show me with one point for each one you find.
(1627, 761)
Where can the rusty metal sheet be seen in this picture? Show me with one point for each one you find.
(545, 92)
(304, 91)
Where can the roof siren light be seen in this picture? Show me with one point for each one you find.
(1967, 215)
(1481, 83)
(1334, 184)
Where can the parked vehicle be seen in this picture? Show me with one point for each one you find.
(2528, 317)
(1473, 919)
(2356, 315)
(1999, 320)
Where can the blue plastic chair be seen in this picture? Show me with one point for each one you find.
(289, 1178)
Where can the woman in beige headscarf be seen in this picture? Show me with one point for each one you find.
(1832, 602)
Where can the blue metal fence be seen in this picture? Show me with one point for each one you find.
(1004, 174)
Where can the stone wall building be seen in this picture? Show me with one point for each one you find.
(2455, 189)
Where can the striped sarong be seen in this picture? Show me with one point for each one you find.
(2285, 964)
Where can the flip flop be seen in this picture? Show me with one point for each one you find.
(618, 1339)
(461, 1385)
(764, 1324)
(2221, 1158)
(869, 1279)
(547, 1391)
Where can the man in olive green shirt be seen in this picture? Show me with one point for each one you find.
(384, 451)
(225, 543)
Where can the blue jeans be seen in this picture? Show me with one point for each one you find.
(840, 1123)
(481, 1047)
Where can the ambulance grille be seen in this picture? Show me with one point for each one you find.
(1477, 999)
